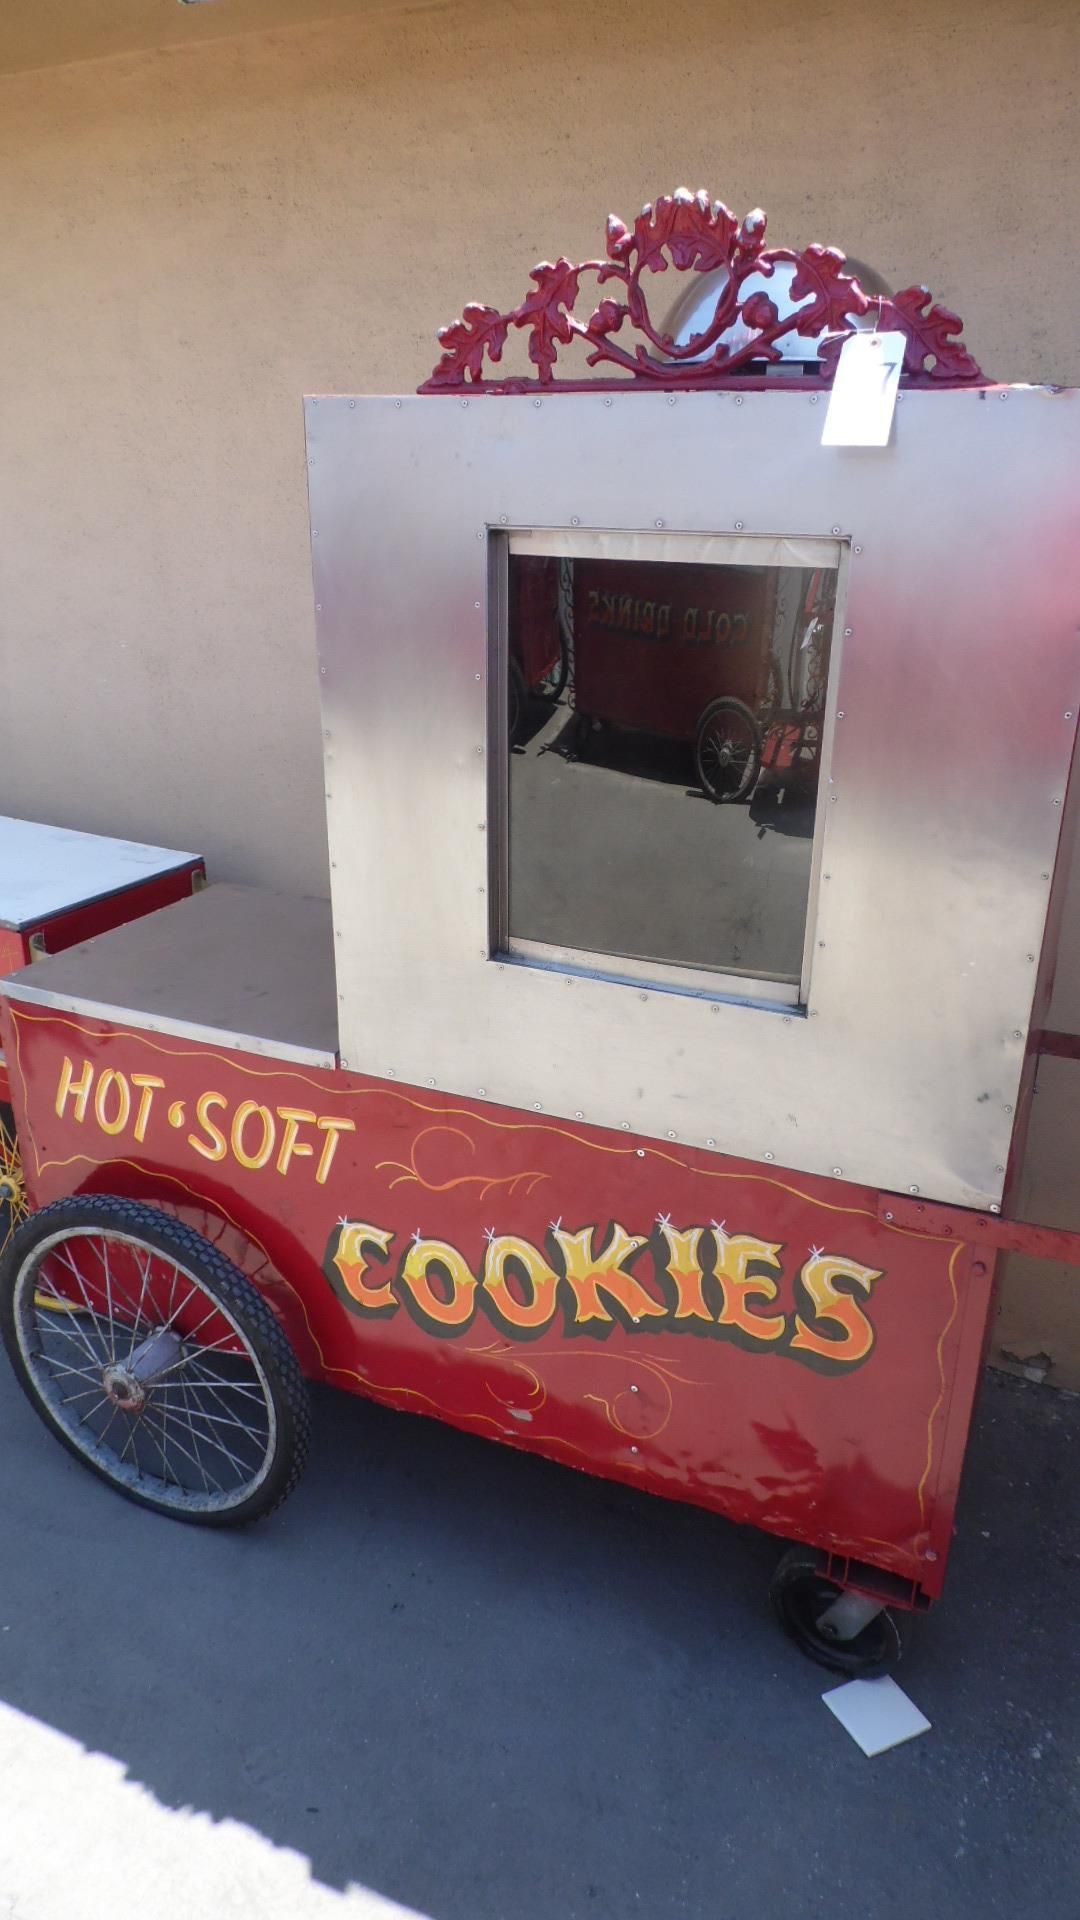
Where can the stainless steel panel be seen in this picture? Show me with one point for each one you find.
(235, 966)
(955, 703)
(47, 870)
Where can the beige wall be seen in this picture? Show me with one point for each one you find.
(194, 237)
(49, 33)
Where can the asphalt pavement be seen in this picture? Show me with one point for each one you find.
(454, 1681)
(620, 852)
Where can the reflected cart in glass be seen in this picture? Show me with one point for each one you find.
(651, 1093)
(734, 663)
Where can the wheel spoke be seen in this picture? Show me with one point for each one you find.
(192, 1295)
(75, 1331)
(215, 1420)
(214, 1346)
(138, 1311)
(115, 1281)
(103, 1245)
(221, 1402)
(57, 1368)
(226, 1419)
(77, 1336)
(207, 1317)
(109, 1424)
(209, 1478)
(147, 1426)
(207, 1383)
(132, 1436)
(84, 1417)
(74, 1271)
(217, 1445)
(180, 1448)
(182, 1388)
(67, 1400)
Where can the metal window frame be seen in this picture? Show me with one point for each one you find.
(744, 986)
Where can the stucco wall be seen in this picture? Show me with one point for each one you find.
(194, 237)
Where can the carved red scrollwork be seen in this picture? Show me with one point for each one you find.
(820, 301)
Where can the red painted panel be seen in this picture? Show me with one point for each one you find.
(994, 1230)
(115, 910)
(653, 643)
(535, 640)
(759, 1342)
(14, 950)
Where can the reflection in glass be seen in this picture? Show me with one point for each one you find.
(665, 734)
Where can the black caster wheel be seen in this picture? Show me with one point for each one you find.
(803, 1598)
(580, 738)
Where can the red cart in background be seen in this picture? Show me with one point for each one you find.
(707, 656)
(789, 724)
(539, 656)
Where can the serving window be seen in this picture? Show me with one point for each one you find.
(661, 755)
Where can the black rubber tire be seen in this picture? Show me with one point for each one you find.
(800, 1593)
(739, 713)
(221, 1281)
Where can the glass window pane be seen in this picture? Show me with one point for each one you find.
(665, 730)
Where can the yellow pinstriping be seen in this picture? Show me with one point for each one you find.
(282, 1071)
(285, 1072)
(942, 1337)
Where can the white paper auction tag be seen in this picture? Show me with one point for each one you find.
(864, 391)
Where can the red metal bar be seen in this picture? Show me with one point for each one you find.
(988, 1229)
(1060, 1046)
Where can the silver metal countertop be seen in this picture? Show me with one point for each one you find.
(241, 966)
(49, 870)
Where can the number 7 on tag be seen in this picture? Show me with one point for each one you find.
(864, 391)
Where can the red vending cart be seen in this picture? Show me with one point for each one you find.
(675, 1142)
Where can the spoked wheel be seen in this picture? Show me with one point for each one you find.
(13, 1202)
(154, 1360)
(807, 1606)
(727, 750)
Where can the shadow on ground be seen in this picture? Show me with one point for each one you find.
(485, 1686)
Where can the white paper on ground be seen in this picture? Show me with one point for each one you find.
(863, 397)
(877, 1714)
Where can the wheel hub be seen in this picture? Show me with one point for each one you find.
(123, 1389)
(127, 1382)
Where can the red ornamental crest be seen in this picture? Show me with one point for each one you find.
(690, 233)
